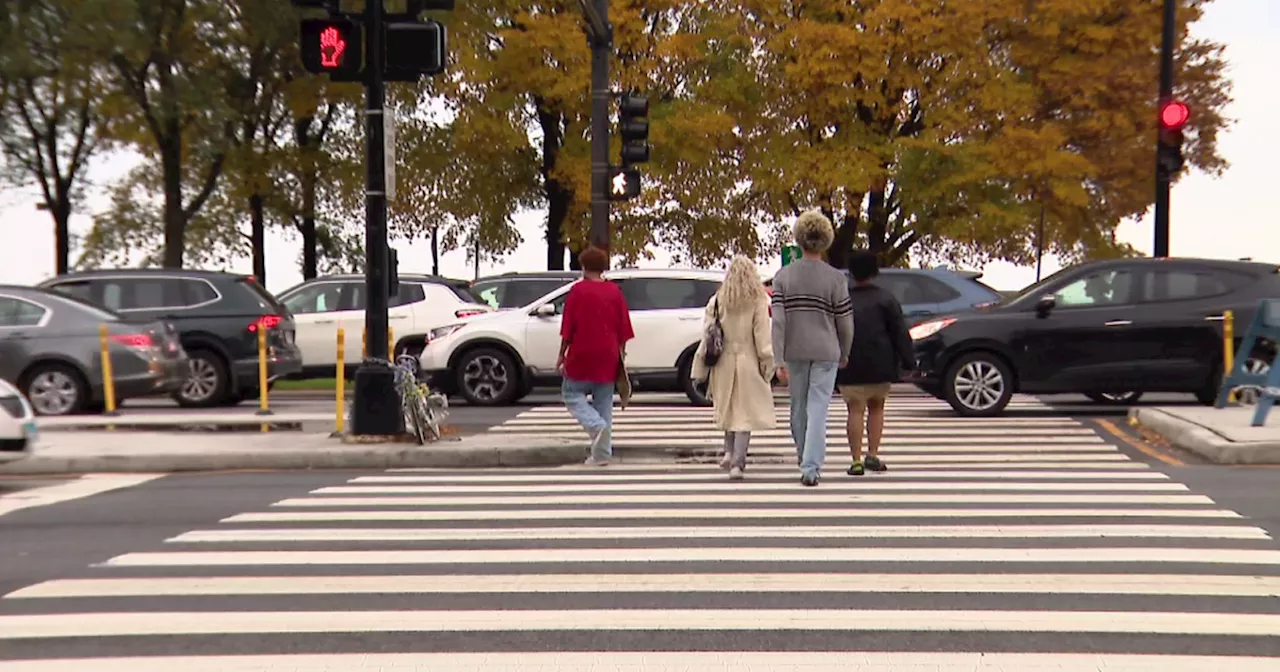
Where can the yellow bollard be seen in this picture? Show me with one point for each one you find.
(264, 404)
(340, 374)
(364, 344)
(108, 378)
(391, 343)
(1229, 348)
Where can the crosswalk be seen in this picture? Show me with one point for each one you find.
(969, 554)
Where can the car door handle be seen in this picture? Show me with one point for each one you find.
(1118, 323)
(399, 317)
(690, 319)
(1214, 318)
(325, 321)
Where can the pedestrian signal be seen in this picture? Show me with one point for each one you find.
(332, 47)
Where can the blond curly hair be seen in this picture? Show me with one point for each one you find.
(814, 232)
(742, 287)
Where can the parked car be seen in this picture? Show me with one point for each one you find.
(517, 290)
(497, 359)
(323, 305)
(51, 349)
(925, 292)
(217, 316)
(17, 424)
(1108, 329)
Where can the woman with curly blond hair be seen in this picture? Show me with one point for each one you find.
(738, 380)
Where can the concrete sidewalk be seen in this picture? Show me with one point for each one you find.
(165, 420)
(123, 451)
(1220, 435)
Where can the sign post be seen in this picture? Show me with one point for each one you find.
(790, 253)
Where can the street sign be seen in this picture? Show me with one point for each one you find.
(389, 149)
(790, 253)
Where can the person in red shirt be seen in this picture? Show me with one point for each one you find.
(593, 336)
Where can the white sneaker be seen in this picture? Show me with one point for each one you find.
(593, 462)
(724, 461)
(735, 474)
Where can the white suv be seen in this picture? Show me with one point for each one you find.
(497, 359)
(322, 305)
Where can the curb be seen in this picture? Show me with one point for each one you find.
(352, 457)
(1205, 442)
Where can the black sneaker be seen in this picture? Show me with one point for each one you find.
(809, 480)
(856, 469)
(874, 464)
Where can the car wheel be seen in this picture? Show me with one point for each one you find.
(978, 384)
(1115, 398)
(56, 389)
(697, 392)
(488, 377)
(206, 384)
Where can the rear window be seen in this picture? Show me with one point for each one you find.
(91, 309)
(995, 293)
(265, 299)
(464, 293)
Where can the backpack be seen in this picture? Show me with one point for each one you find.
(713, 340)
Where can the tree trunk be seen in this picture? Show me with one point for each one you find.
(61, 212)
(435, 251)
(573, 260)
(258, 238)
(559, 196)
(174, 220)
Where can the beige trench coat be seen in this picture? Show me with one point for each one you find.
(739, 384)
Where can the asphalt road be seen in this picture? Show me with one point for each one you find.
(985, 536)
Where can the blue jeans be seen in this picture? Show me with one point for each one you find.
(811, 386)
(595, 416)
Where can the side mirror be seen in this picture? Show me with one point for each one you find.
(545, 310)
(1046, 304)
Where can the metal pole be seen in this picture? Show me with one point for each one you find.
(1040, 242)
(435, 251)
(600, 47)
(1166, 93)
(377, 404)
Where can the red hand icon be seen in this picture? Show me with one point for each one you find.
(331, 47)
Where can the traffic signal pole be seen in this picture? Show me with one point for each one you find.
(1164, 177)
(376, 410)
(601, 44)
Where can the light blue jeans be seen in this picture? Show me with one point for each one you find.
(594, 416)
(811, 386)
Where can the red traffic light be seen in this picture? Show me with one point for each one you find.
(331, 47)
(1174, 115)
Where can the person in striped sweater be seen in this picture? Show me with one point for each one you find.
(812, 334)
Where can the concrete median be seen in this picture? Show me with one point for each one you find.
(1222, 436)
(121, 451)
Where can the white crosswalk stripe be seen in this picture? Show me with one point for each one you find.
(987, 546)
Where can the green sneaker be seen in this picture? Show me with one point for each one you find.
(856, 469)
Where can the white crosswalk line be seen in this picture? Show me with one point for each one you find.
(1030, 534)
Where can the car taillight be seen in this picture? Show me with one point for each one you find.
(468, 312)
(133, 340)
(265, 322)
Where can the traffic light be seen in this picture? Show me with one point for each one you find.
(1174, 115)
(633, 126)
(413, 49)
(332, 47)
(624, 184)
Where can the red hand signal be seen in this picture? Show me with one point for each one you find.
(1174, 114)
(332, 46)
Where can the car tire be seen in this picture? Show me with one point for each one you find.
(487, 377)
(1114, 398)
(697, 393)
(207, 385)
(978, 384)
(55, 389)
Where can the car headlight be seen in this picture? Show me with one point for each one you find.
(440, 332)
(927, 329)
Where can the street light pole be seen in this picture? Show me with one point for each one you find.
(601, 43)
(1163, 177)
(377, 404)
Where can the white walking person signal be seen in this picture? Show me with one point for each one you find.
(620, 183)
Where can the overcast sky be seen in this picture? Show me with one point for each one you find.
(1227, 217)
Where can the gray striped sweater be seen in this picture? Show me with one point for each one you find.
(812, 314)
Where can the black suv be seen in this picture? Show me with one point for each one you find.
(217, 316)
(1108, 329)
